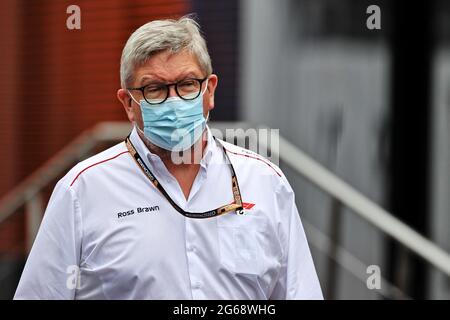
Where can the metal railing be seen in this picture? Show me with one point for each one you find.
(28, 195)
(365, 208)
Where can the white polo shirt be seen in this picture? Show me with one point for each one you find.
(106, 220)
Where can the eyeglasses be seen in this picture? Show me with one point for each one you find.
(157, 93)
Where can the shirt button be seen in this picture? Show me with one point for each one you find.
(192, 249)
(197, 285)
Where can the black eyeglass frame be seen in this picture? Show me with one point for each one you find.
(167, 86)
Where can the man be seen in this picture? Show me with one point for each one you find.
(172, 212)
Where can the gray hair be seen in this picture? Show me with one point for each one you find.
(160, 35)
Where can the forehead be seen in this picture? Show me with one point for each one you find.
(167, 66)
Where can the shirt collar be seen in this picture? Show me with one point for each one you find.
(155, 161)
(210, 147)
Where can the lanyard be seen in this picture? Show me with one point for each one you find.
(235, 206)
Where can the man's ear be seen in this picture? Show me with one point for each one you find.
(209, 94)
(127, 103)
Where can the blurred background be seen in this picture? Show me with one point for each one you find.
(371, 106)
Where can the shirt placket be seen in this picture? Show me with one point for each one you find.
(193, 245)
(193, 260)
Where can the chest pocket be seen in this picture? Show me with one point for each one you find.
(243, 243)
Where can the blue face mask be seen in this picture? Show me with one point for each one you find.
(174, 125)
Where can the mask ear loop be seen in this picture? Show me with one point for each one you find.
(133, 98)
(206, 87)
(135, 123)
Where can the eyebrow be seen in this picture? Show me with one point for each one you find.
(148, 79)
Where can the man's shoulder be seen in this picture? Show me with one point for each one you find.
(107, 157)
(259, 174)
(249, 160)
